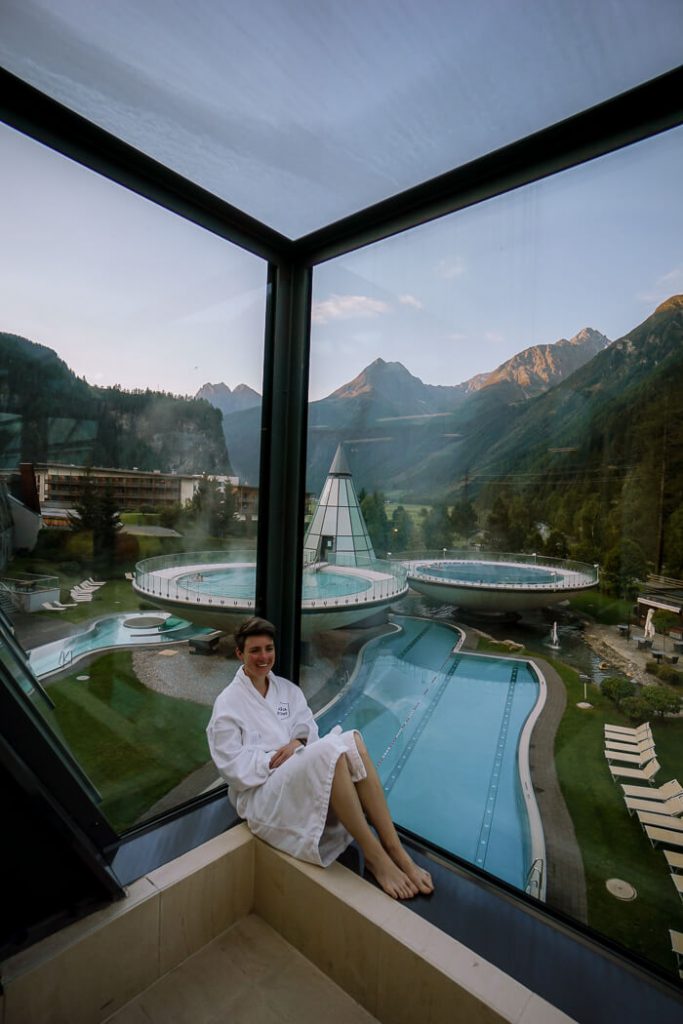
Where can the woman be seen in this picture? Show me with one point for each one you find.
(306, 795)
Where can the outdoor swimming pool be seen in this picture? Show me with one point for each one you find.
(491, 572)
(129, 629)
(444, 729)
(241, 582)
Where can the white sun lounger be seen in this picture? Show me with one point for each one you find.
(672, 807)
(626, 730)
(49, 607)
(630, 748)
(61, 605)
(666, 791)
(640, 759)
(660, 820)
(664, 835)
(643, 775)
(78, 596)
(94, 583)
(674, 860)
(677, 948)
(678, 882)
(129, 576)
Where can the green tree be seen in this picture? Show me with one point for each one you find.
(437, 528)
(498, 525)
(402, 531)
(107, 525)
(464, 518)
(84, 515)
(373, 508)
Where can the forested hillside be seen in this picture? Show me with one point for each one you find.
(47, 414)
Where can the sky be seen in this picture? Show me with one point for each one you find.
(302, 112)
(127, 293)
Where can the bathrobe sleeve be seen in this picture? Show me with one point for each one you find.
(302, 725)
(242, 764)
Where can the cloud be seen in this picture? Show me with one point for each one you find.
(347, 307)
(410, 300)
(667, 285)
(448, 269)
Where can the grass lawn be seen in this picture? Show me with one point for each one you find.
(134, 744)
(602, 607)
(613, 844)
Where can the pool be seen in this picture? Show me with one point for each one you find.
(491, 572)
(444, 729)
(241, 582)
(124, 630)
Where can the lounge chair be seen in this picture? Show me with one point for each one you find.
(677, 948)
(62, 606)
(630, 748)
(643, 775)
(673, 807)
(678, 882)
(78, 596)
(664, 792)
(95, 583)
(660, 821)
(129, 576)
(628, 732)
(664, 835)
(49, 607)
(674, 860)
(639, 759)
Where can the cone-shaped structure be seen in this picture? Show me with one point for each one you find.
(337, 531)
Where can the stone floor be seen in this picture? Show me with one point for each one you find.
(248, 975)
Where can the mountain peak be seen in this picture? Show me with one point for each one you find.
(219, 395)
(670, 304)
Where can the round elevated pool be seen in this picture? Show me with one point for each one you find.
(493, 582)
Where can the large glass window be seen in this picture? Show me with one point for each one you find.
(131, 352)
(492, 574)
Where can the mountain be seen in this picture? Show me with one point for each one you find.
(401, 431)
(221, 397)
(48, 414)
(540, 367)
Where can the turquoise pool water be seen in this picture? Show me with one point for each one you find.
(241, 582)
(490, 572)
(444, 729)
(107, 633)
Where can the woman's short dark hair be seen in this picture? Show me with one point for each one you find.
(253, 627)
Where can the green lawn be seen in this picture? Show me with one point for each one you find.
(613, 844)
(602, 607)
(134, 744)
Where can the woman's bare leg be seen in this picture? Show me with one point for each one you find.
(346, 804)
(371, 794)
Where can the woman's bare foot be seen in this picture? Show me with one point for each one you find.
(417, 875)
(395, 882)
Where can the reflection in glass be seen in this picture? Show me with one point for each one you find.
(130, 354)
(507, 387)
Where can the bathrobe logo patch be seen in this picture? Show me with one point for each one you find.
(283, 709)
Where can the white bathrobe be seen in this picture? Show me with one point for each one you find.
(288, 806)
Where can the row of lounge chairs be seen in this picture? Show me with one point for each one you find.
(84, 591)
(659, 809)
(81, 593)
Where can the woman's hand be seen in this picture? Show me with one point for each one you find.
(284, 753)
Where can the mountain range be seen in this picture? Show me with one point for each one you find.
(386, 407)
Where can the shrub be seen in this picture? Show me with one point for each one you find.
(669, 675)
(661, 701)
(652, 667)
(617, 689)
(635, 708)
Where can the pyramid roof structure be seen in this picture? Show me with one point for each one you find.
(337, 531)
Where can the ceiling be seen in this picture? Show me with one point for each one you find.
(300, 112)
